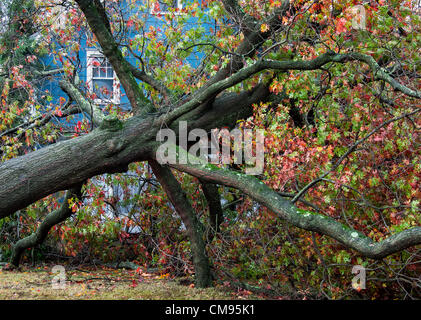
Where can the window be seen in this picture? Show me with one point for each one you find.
(102, 79)
(163, 6)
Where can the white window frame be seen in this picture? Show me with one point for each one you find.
(179, 6)
(91, 55)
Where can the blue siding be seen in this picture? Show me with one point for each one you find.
(53, 86)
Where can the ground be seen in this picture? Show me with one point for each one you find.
(91, 283)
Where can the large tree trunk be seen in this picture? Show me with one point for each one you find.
(66, 164)
(110, 148)
(114, 145)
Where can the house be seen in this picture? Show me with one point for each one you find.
(96, 75)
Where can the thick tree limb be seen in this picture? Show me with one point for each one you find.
(348, 152)
(287, 65)
(193, 226)
(216, 214)
(109, 148)
(91, 109)
(52, 219)
(234, 9)
(65, 164)
(114, 147)
(253, 38)
(302, 219)
(379, 73)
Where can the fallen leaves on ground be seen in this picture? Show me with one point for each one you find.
(100, 283)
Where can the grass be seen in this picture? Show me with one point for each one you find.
(104, 284)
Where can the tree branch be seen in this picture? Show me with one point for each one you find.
(216, 214)
(253, 38)
(99, 25)
(302, 219)
(282, 66)
(193, 226)
(53, 218)
(93, 110)
(157, 85)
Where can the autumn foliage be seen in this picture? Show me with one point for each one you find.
(353, 139)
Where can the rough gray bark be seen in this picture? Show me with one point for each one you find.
(109, 148)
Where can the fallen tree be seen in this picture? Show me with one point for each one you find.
(115, 142)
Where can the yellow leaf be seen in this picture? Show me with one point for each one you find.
(264, 27)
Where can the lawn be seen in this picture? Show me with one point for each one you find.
(91, 283)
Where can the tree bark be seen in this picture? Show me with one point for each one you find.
(115, 144)
(52, 219)
(193, 226)
(107, 149)
(216, 214)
